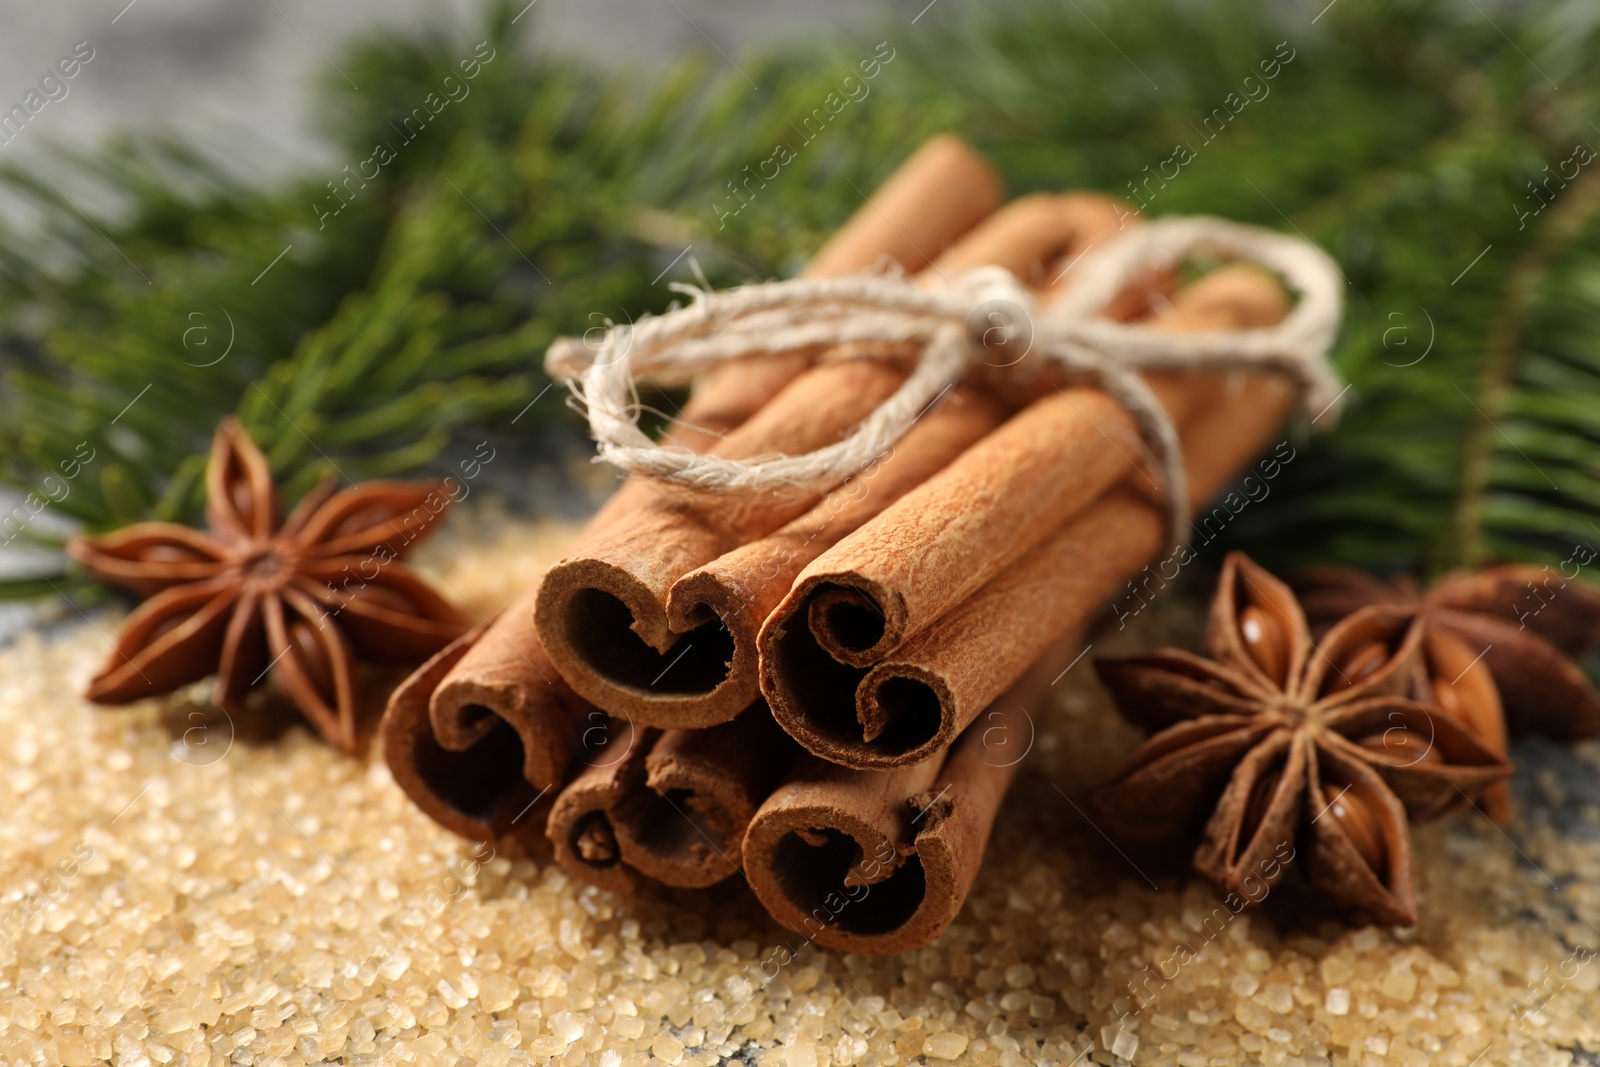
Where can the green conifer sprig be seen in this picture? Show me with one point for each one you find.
(1401, 137)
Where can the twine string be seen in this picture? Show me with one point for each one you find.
(949, 327)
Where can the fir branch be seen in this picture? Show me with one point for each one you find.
(1568, 217)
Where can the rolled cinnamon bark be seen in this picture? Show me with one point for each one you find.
(633, 621)
(673, 808)
(940, 679)
(452, 715)
(742, 587)
(941, 191)
(1034, 233)
(880, 861)
(580, 827)
(888, 645)
(477, 791)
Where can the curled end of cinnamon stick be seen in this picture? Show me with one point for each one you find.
(701, 601)
(908, 714)
(580, 827)
(830, 861)
(826, 868)
(682, 830)
(477, 790)
(505, 687)
(610, 638)
(847, 621)
(881, 861)
(671, 807)
(818, 650)
(467, 715)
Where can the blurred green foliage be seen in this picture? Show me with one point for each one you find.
(1400, 136)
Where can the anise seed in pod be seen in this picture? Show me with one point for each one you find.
(1400, 746)
(1260, 799)
(1463, 688)
(1360, 825)
(312, 655)
(1357, 666)
(1263, 637)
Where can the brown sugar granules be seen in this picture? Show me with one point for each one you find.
(281, 904)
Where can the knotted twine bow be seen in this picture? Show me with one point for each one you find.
(950, 324)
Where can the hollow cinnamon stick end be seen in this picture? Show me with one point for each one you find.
(581, 828)
(663, 839)
(683, 823)
(799, 857)
(716, 802)
(476, 792)
(584, 841)
(815, 650)
(608, 636)
(855, 622)
(825, 868)
(702, 599)
(908, 714)
(466, 710)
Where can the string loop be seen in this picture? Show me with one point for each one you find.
(982, 321)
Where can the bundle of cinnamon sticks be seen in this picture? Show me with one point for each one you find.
(828, 692)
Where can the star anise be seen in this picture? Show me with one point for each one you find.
(1528, 622)
(299, 599)
(1290, 752)
(1451, 675)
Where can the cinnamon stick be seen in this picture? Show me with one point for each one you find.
(941, 678)
(1033, 233)
(636, 623)
(580, 827)
(880, 861)
(868, 666)
(743, 586)
(476, 790)
(449, 720)
(941, 191)
(674, 808)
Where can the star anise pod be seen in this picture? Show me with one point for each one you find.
(255, 595)
(1528, 622)
(1282, 752)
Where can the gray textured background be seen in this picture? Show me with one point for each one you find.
(240, 76)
